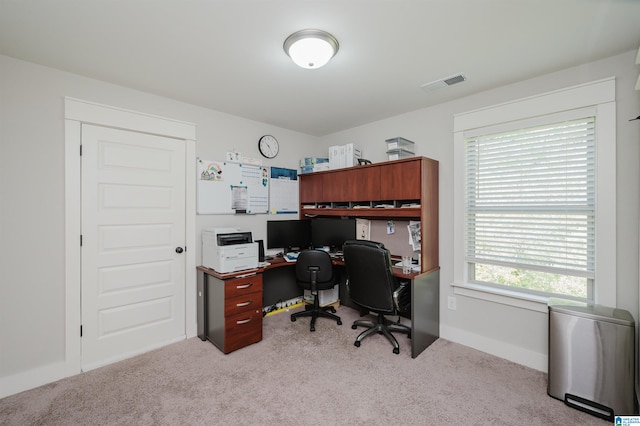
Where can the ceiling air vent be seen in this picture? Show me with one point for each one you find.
(443, 82)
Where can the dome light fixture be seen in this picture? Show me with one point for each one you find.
(311, 49)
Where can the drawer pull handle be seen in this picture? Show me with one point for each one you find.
(244, 321)
(244, 303)
(241, 287)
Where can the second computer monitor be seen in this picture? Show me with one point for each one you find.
(332, 233)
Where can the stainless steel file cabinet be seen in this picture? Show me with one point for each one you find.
(592, 358)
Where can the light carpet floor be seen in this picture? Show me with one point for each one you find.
(295, 377)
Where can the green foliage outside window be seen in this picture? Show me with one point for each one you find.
(532, 280)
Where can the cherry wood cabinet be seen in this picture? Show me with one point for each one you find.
(401, 181)
(403, 189)
(344, 186)
(313, 188)
(229, 308)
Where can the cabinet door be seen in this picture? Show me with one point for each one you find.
(367, 184)
(335, 186)
(311, 187)
(400, 181)
(355, 184)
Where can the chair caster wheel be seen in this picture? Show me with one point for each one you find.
(356, 344)
(293, 319)
(354, 326)
(312, 329)
(333, 310)
(409, 336)
(339, 322)
(396, 350)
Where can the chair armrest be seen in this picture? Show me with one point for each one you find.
(402, 296)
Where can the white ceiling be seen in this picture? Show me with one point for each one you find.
(228, 56)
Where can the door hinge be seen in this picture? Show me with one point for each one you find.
(80, 240)
(80, 331)
(81, 150)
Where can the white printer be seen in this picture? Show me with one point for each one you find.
(228, 250)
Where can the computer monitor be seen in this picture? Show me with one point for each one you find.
(289, 235)
(332, 232)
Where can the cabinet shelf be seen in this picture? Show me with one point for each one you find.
(407, 212)
(376, 209)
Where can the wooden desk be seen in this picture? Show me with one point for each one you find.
(230, 318)
(409, 181)
(425, 306)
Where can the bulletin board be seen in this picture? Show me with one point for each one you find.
(228, 188)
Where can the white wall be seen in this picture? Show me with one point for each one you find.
(506, 331)
(32, 286)
(32, 310)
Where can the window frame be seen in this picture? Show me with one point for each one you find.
(599, 95)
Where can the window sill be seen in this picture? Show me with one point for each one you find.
(505, 297)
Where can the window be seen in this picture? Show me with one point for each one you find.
(530, 207)
(534, 192)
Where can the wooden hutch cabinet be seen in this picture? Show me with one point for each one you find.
(401, 189)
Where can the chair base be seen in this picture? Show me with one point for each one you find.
(382, 326)
(315, 311)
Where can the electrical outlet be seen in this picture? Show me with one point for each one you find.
(451, 303)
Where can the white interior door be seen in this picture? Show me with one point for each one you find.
(133, 232)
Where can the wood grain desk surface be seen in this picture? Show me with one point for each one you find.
(278, 262)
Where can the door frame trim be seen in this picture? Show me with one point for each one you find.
(77, 112)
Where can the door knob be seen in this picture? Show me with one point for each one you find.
(179, 250)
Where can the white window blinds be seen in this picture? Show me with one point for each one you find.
(530, 198)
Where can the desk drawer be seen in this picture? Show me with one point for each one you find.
(243, 303)
(240, 286)
(242, 329)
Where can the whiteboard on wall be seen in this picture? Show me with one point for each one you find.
(228, 188)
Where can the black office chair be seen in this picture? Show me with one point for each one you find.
(373, 287)
(314, 272)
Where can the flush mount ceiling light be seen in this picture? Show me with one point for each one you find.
(311, 49)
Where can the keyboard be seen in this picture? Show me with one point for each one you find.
(291, 256)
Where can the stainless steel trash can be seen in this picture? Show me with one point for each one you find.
(592, 358)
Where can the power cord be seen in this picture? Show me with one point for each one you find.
(271, 308)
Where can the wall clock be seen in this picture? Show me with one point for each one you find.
(268, 146)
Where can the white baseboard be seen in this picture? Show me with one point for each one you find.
(39, 376)
(50, 373)
(30, 379)
(500, 349)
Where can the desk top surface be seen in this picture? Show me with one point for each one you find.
(278, 262)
